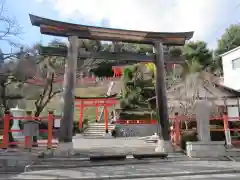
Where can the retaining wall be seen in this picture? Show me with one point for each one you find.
(136, 129)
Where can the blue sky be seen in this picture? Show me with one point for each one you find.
(208, 18)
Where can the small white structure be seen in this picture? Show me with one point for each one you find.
(231, 76)
(231, 68)
(16, 112)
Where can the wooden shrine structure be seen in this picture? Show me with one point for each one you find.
(74, 31)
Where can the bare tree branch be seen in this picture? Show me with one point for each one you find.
(9, 27)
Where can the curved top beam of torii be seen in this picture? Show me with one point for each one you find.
(58, 28)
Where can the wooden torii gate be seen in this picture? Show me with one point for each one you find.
(74, 31)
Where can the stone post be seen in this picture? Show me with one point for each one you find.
(204, 147)
(203, 115)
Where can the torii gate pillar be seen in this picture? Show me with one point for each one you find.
(68, 92)
(164, 144)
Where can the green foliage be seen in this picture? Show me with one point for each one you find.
(229, 40)
(76, 126)
(134, 115)
(175, 51)
(104, 69)
(132, 87)
(191, 67)
(199, 52)
(190, 136)
(137, 48)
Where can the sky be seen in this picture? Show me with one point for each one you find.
(207, 18)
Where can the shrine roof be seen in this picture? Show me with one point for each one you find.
(97, 97)
(58, 28)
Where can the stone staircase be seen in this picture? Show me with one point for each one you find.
(97, 129)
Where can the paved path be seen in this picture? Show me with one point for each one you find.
(167, 170)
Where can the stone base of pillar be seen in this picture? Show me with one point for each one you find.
(206, 149)
(107, 136)
(164, 146)
(64, 149)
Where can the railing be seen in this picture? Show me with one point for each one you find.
(28, 143)
(176, 130)
(177, 120)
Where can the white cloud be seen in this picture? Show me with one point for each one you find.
(200, 16)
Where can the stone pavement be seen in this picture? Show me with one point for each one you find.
(199, 177)
(14, 160)
(88, 143)
(159, 170)
(4, 176)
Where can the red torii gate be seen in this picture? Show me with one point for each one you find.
(105, 102)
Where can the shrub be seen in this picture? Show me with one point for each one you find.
(76, 126)
(114, 133)
(217, 135)
(189, 136)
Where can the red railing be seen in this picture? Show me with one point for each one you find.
(176, 121)
(176, 130)
(27, 139)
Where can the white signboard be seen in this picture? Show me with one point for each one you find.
(228, 137)
(57, 121)
(233, 112)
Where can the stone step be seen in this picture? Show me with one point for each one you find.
(100, 125)
(97, 129)
(233, 152)
(93, 134)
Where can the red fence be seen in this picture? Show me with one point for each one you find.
(27, 139)
(176, 130)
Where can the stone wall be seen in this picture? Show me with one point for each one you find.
(136, 130)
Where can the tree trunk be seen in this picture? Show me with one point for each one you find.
(35, 138)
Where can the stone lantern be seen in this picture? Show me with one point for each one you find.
(17, 112)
